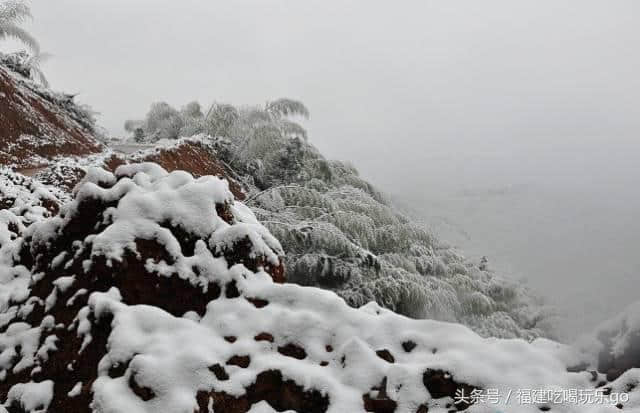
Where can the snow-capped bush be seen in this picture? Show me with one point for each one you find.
(342, 234)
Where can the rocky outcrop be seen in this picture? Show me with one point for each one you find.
(37, 125)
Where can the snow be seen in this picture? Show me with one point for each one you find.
(172, 355)
(63, 283)
(263, 242)
(34, 397)
(149, 199)
(153, 197)
(28, 197)
(76, 390)
(264, 407)
(23, 337)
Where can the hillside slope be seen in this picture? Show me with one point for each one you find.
(37, 125)
(339, 233)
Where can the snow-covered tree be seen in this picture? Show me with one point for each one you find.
(256, 129)
(284, 107)
(193, 119)
(220, 119)
(12, 14)
(163, 121)
(192, 110)
(340, 233)
(138, 135)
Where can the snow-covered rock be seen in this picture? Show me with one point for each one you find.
(164, 240)
(22, 202)
(154, 292)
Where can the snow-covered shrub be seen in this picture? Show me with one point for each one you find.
(220, 119)
(340, 233)
(255, 129)
(27, 65)
(193, 119)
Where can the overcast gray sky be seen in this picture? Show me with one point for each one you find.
(378, 74)
(426, 97)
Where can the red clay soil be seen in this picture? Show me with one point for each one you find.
(34, 129)
(191, 156)
(195, 158)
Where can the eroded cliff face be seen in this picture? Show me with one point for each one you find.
(37, 125)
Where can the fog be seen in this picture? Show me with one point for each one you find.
(510, 127)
